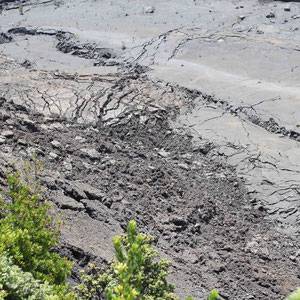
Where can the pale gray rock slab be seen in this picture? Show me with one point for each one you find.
(65, 202)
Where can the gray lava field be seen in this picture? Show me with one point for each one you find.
(181, 115)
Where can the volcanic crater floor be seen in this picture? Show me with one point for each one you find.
(164, 125)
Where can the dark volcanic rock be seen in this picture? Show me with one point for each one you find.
(202, 221)
(4, 38)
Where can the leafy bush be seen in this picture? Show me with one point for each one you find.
(135, 274)
(16, 284)
(28, 232)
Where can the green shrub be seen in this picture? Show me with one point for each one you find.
(28, 233)
(16, 284)
(135, 274)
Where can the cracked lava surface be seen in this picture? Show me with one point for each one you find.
(185, 119)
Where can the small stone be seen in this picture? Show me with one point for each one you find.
(29, 124)
(91, 153)
(4, 115)
(228, 248)
(265, 252)
(189, 257)
(53, 156)
(10, 122)
(293, 258)
(178, 221)
(251, 245)
(80, 139)
(203, 148)
(56, 126)
(218, 268)
(67, 165)
(125, 202)
(22, 142)
(149, 10)
(240, 18)
(26, 63)
(163, 153)
(2, 140)
(31, 150)
(75, 191)
(287, 8)
(45, 127)
(187, 156)
(270, 15)
(87, 166)
(91, 192)
(197, 163)
(56, 144)
(7, 133)
(183, 166)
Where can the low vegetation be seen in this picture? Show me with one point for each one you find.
(134, 274)
(17, 284)
(28, 232)
(31, 269)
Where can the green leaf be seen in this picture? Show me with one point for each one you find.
(214, 295)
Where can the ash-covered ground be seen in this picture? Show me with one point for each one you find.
(181, 115)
